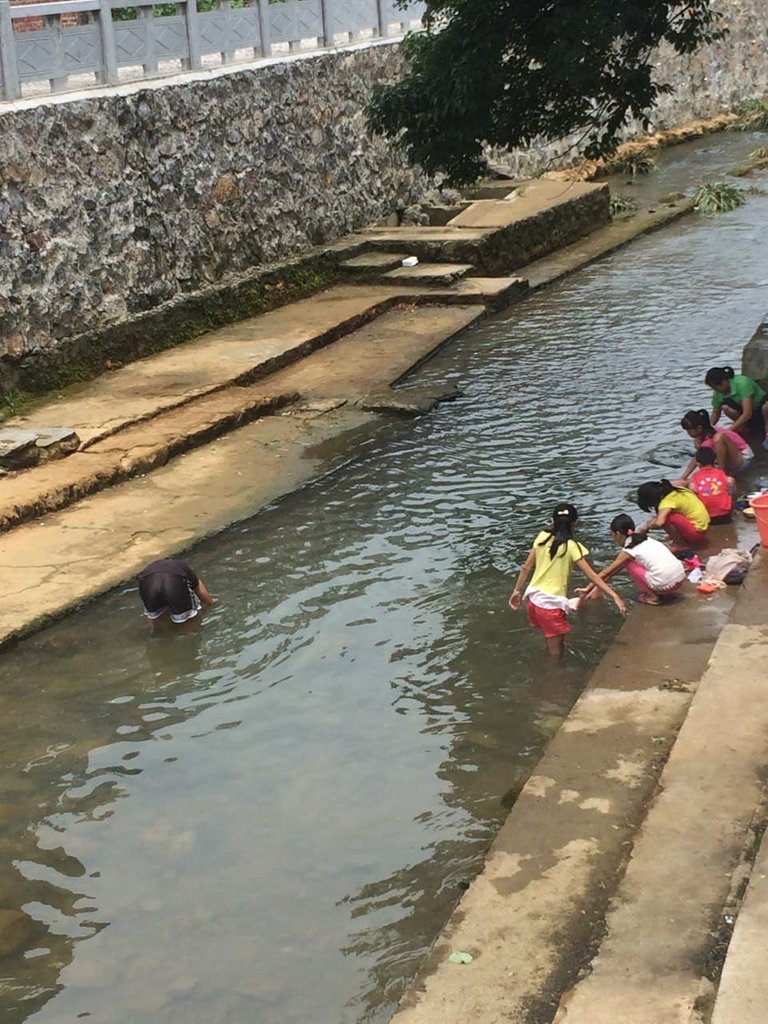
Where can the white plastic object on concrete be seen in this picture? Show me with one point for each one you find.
(411, 261)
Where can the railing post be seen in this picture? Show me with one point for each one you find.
(11, 86)
(146, 14)
(265, 30)
(381, 12)
(193, 35)
(327, 39)
(59, 79)
(108, 48)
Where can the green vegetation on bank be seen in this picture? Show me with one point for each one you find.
(622, 204)
(26, 384)
(717, 197)
(633, 162)
(753, 116)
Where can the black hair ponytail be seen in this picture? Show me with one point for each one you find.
(649, 495)
(718, 375)
(698, 418)
(625, 525)
(563, 519)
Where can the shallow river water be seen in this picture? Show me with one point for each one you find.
(268, 821)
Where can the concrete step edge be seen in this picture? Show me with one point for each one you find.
(103, 464)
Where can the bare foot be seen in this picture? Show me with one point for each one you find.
(649, 599)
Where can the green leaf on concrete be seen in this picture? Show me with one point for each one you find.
(460, 958)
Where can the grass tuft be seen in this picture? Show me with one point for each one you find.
(717, 197)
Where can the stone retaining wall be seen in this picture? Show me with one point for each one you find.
(716, 79)
(120, 203)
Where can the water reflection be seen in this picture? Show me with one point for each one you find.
(270, 819)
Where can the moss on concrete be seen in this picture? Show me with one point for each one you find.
(27, 382)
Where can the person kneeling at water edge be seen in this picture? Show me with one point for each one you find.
(740, 398)
(653, 568)
(172, 592)
(715, 489)
(552, 557)
(678, 512)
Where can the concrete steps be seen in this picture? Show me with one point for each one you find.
(742, 996)
(373, 262)
(442, 274)
(394, 340)
(139, 448)
(70, 555)
(667, 923)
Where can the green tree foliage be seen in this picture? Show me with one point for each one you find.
(504, 72)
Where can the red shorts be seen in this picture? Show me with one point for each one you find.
(690, 534)
(551, 621)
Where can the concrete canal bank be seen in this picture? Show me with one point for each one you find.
(340, 352)
(192, 809)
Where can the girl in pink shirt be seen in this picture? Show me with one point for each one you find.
(732, 453)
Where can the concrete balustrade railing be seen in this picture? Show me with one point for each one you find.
(72, 44)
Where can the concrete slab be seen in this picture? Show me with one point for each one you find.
(374, 261)
(528, 200)
(54, 485)
(241, 351)
(742, 997)
(17, 447)
(48, 437)
(70, 556)
(664, 924)
(530, 918)
(429, 273)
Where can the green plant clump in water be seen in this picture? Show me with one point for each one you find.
(761, 153)
(622, 204)
(634, 163)
(753, 116)
(717, 197)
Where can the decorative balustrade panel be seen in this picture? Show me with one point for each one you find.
(71, 44)
(352, 16)
(291, 21)
(54, 52)
(229, 29)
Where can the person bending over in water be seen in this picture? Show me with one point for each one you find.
(741, 398)
(715, 489)
(678, 511)
(171, 592)
(552, 557)
(653, 568)
(732, 453)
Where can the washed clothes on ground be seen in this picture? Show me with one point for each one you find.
(169, 585)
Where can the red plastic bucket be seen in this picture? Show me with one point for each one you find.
(760, 505)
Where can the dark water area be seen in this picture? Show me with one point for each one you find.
(270, 819)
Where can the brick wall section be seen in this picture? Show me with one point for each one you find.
(32, 24)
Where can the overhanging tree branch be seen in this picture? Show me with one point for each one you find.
(502, 73)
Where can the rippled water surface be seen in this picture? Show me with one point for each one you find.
(269, 820)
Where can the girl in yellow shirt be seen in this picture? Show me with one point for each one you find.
(552, 557)
(679, 512)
